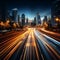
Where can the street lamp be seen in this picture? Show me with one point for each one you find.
(2, 24)
(8, 21)
(57, 19)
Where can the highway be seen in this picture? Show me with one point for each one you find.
(30, 45)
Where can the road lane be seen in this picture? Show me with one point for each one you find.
(17, 54)
(49, 46)
(7, 41)
(31, 45)
(6, 36)
(12, 44)
(30, 50)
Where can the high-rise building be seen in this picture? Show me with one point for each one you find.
(35, 20)
(3, 13)
(55, 11)
(27, 21)
(7, 14)
(14, 14)
(45, 19)
(23, 19)
(19, 19)
(38, 19)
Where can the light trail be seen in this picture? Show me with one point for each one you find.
(31, 45)
(7, 42)
(11, 44)
(46, 43)
(12, 51)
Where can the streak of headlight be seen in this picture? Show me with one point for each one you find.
(12, 51)
(45, 43)
(27, 44)
(9, 40)
(33, 38)
(11, 45)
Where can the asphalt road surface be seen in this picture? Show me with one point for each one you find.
(31, 45)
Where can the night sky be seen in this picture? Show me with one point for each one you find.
(29, 7)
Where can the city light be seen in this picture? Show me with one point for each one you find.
(57, 19)
(8, 21)
(30, 30)
(1, 23)
(7, 24)
(14, 25)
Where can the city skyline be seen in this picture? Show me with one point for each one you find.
(29, 7)
(31, 14)
(29, 30)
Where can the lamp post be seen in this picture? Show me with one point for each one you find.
(57, 19)
(58, 22)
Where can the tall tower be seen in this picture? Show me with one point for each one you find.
(19, 19)
(55, 11)
(35, 20)
(27, 21)
(38, 19)
(3, 12)
(14, 14)
(45, 18)
(23, 19)
(7, 14)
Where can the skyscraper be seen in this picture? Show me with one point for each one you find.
(26, 21)
(23, 19)
(55, 11)
(7, 14)
(14, 14)
(19, 19)
(38, 19)
(45, 18)
(3, 13)
(35, 20)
